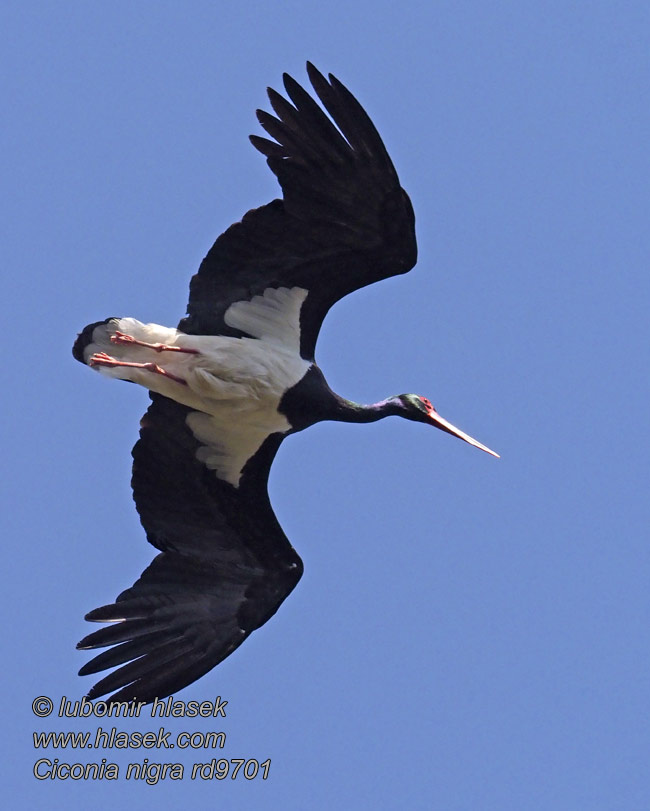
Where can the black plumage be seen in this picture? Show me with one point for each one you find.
(344, 221)
(225, 565)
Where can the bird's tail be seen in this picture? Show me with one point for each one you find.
(85, 339)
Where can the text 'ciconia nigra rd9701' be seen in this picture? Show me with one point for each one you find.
(233, 380)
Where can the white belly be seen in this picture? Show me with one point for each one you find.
(232, 385)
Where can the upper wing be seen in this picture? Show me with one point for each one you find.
(225, 565)
(343, 222)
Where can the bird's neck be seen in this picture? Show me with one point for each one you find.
(349, 411)
(311, 400)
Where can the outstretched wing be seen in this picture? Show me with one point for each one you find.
(224, 569)
(344, 221)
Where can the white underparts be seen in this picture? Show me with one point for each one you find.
(234, 385)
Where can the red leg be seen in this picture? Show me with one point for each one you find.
(102, 359)
(122, 338)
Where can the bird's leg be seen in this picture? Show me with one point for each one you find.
(102, 359)
(122, 338)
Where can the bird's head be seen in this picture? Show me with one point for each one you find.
(419, 409)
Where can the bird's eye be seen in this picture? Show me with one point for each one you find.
(427, 404)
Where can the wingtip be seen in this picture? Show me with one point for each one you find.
(93, 693)
(314, 74)
(290, 84)
(95, 615)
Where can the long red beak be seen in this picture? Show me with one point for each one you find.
(442, 423)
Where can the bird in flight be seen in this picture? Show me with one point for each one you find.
(236, 377)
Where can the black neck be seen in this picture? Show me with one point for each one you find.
(349, 411)
(311, 400)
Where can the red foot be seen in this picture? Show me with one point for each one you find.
(102, 359)
(122, 338)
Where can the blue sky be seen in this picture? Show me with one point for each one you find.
(470, 633)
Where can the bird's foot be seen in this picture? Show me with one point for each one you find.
(122, 338)
(102, 359)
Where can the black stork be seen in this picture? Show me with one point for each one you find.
(235, 378)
